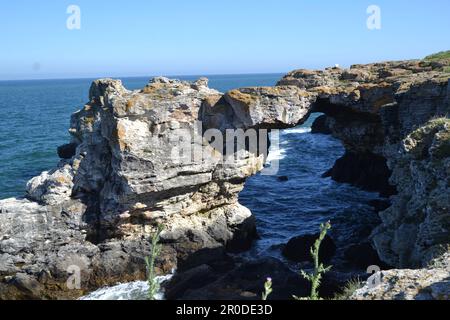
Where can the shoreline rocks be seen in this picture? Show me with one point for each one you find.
(367, 171)
(431, 283)
(95, 212)
(298, 249)
(383, 114)
(91, 216)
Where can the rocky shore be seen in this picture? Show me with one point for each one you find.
(118, 178)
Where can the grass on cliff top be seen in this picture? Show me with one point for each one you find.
(435, 137)
(444, 55)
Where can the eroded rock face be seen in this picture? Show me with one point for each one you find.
(129, 172)
(380, 112)
(417, 225)
(431, 283)
(97, 209)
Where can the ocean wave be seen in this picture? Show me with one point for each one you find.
(297, 130)
(276, 154)
(137, 290)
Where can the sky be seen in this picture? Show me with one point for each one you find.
(201, 37)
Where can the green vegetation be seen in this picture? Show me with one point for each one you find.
(435, 136)
(267, 289)
(441, 145)
(150, 262)
(319, 268)
(444, 55)
(349, 289)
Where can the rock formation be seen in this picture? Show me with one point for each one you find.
(381, 112)
(431, 283)
(123, 173)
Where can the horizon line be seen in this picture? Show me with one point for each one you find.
(144, 76)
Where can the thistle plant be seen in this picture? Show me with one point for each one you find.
(153, 284)
(319, 269)
(267, 289)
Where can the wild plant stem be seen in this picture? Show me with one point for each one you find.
(150, 263)
(319, 269)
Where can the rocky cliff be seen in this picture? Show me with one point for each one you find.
(123, 172)
(383, 113)
(138, 159)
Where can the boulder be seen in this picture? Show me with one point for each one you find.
(67, 151)
(298, 249)
(367, 171)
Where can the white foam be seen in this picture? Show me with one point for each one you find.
(297, 130)
(276, 154)
(137, 290)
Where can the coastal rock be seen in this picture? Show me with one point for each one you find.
(417, 225)
(246, 282)
(376, 110)
(367, 171)
(298, 249)
(96, 211)
(156, 156)
(67, 151)
(432, 283)
(363, 256)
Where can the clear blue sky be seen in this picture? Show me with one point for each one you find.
(180, 37)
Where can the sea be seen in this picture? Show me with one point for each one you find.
(35, 117)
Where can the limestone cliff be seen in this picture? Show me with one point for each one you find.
(123, 173)
(381, 112)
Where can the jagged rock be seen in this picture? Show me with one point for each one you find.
(298, 249)
(380, 204)
(192, 279)
(246, 282)
(372, 109)
(432, 283)
(417, 225)
(367, 171)
(363, 256)
(98, 209)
